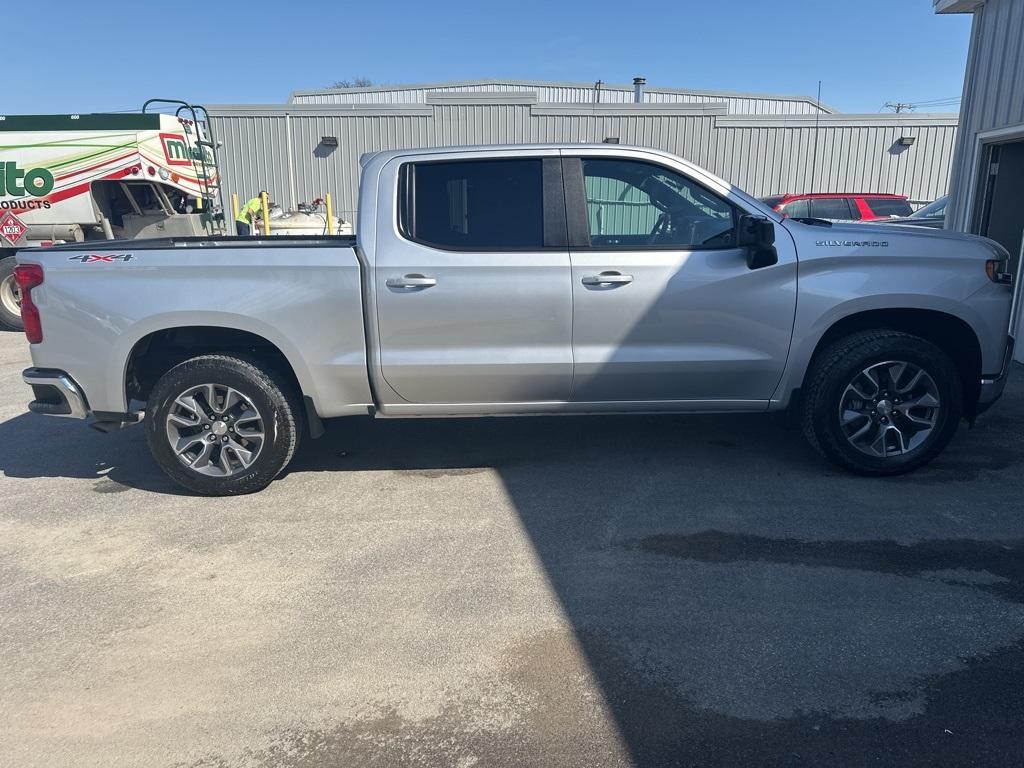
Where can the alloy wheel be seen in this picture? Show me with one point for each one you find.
(215, 430)
(889, 408)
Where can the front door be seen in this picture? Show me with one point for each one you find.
(665, 306)
(472, 287)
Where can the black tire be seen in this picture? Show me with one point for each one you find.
(270, 395)
(9, 319)
(834, 368)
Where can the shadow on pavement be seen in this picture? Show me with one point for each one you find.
(738, 601)
(40, 446)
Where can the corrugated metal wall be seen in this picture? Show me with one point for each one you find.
(268, 148)
(993, 93)
(568, 93)
(837, 157)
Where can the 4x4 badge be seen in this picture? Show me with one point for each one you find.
(102, 258)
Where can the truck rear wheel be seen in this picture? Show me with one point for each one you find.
(10, 296)
(221, 426)
(882, 402)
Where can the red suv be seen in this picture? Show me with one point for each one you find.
(840, 206)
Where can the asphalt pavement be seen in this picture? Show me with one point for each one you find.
(612, 591)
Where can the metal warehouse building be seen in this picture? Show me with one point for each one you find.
(763, 143)
(987, 190)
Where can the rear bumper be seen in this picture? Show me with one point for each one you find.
(992, 386)
(56, 394)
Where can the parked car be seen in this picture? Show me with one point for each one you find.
(932, 215)
(840, 207)
(523, 280)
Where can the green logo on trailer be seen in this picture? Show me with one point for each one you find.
(17, 182)
(177, 152)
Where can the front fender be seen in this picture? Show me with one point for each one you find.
(818, 310)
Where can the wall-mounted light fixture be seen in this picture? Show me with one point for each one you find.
(329, 141)
(907, 141)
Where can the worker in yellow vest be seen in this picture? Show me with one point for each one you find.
(248, 214)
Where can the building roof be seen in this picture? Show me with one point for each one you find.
(957, 6)
(620, 91)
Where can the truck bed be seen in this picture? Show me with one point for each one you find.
(202, 241)
(101, 302)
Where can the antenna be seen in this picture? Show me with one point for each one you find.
(814, 157)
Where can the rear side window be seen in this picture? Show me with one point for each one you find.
(881, 206)
(474, 204)
(831, 208)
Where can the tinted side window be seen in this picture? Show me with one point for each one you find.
(798, 209)
(831, 208)
(632, 204)
(475, 204)
(888, 207)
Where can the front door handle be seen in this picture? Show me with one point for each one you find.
(607, 278)
(411, 281)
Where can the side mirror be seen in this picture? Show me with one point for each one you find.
(757, 235)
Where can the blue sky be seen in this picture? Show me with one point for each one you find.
(866, 53)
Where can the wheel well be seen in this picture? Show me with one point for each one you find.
(155, 354)
(949, 333)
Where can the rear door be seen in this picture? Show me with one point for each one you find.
(472, 282)
(665, 306)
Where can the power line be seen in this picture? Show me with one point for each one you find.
(934, 101)
(910, 106)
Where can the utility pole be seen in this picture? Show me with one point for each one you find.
(899, 106)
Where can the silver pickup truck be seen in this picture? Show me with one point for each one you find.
(523, 280)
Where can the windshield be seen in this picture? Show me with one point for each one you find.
(937, 208)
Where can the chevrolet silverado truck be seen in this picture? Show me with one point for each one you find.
(483, 281)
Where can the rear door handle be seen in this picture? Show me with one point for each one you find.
(411, 281)
(607, 278)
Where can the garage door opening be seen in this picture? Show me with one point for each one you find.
(1000, 210)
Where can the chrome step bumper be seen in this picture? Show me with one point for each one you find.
(56, 394)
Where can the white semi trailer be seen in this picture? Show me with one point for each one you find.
(77, 178)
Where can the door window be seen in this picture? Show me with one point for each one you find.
(633, 204)
(798, 209)
(888, 206)
(474, 205)
(833, 208)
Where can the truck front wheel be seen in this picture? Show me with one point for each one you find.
(10, 297)
(222, 426)
(881, 402)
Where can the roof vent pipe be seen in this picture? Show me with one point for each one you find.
(638, 89)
